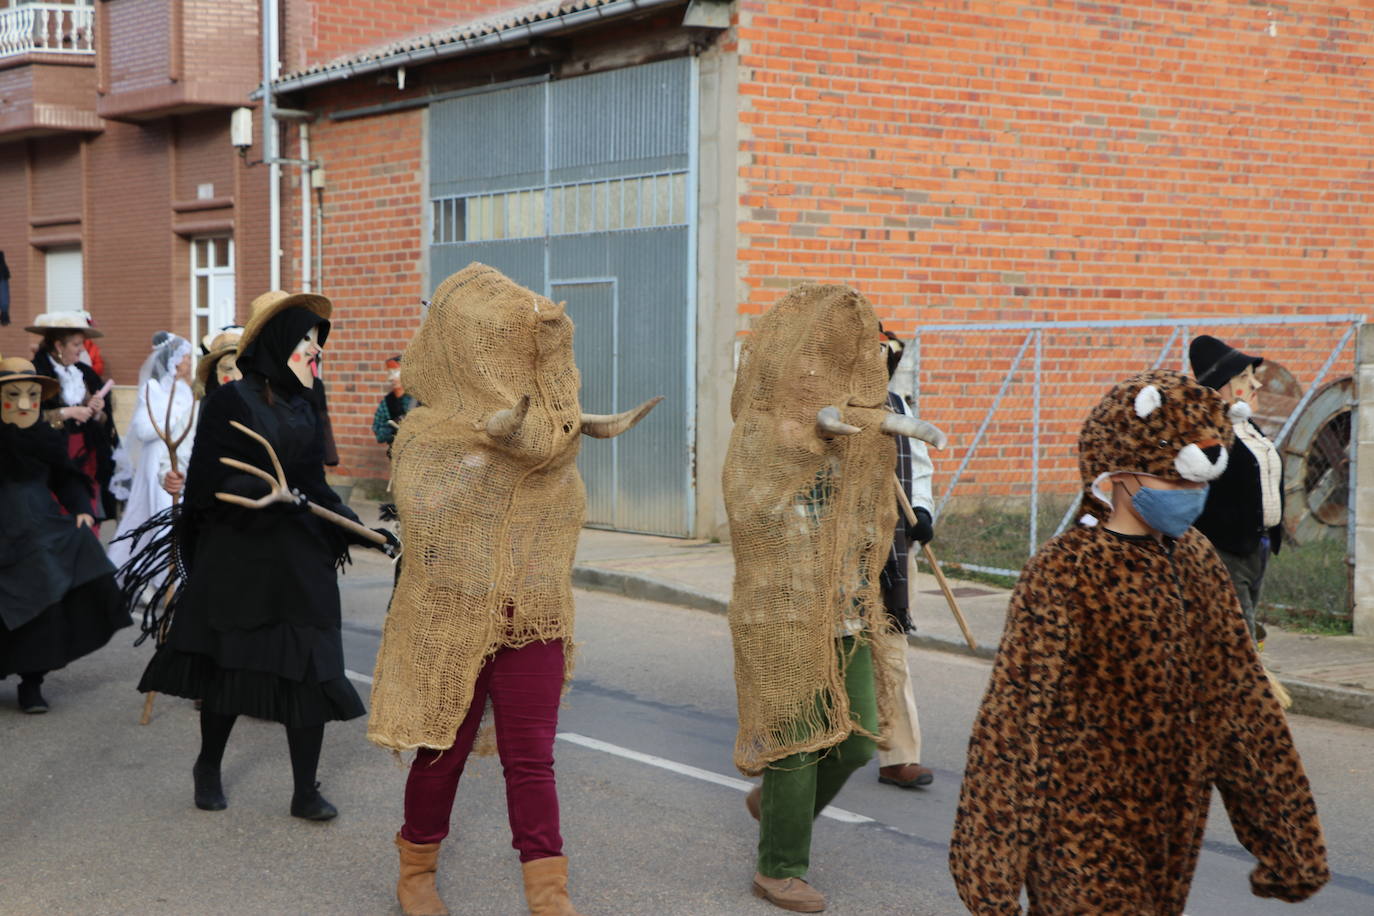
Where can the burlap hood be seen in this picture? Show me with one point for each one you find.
(811, 517)
(490, 522)
(1159, 423)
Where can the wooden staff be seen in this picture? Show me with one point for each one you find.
(281, 491)
(164, 432)
(910, 514)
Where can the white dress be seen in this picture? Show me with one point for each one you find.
(148, 459)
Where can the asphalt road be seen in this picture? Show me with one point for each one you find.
(96, 815)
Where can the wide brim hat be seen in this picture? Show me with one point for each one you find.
(225, 342)
(271, 304)
(48, 322)
(1215, 362)
(17, 369)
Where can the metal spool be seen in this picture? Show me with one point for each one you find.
(1316, 466)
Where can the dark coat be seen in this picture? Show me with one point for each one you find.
(269, 571)
(1234, 514)
(100, 438)
(43, 555)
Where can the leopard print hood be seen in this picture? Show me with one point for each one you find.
(1158, 423)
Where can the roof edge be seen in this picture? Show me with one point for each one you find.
(464, 46)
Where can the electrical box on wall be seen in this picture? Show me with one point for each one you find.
(241, 127)
(317, 178)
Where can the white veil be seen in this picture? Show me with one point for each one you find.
(156, 385)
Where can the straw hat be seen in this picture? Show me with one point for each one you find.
(16, 369)
(224, 343)
(272, 303)
(63, 321)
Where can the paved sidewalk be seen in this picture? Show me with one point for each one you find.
(1329, 676)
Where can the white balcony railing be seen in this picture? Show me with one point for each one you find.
(49, 28)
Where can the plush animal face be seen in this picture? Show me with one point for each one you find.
(1158, 423)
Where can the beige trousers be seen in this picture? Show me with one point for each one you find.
(906, 727)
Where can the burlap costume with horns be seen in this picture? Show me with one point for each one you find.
(490, 504)
(811, 519)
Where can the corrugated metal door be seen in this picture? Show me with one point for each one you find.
(585, 188)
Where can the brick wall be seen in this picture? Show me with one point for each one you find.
(319, 31)
(965, 161)
(139, 33)
(373, 260)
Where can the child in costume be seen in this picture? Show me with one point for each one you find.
(165, 399)
(256, 629)
(1126, 687)
(490, 500)
(58, 598)
(809, 492)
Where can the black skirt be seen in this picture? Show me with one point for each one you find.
(81, 622)
(260, 694)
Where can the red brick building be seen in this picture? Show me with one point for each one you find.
(670, 168)
(119, 190)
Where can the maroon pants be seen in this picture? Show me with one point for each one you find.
(524, 686)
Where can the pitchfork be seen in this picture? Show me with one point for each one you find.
(164, 432)
(281, 491)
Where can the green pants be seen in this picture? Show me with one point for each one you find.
(798, 787)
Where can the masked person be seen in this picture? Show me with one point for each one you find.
(58, 598)
(808, 490)
(899, 764)
(491, 503)
(256, 626)
(79, 408)
(1125, 688)
(217, 366)
(1243, 517)
(142, 460)
(393, 407)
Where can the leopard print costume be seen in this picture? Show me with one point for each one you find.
(1126, 687)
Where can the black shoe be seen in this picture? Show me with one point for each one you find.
(31, 698)
(313, 807)
(209, 791)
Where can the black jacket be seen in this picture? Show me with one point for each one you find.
(1234, 514)
(100, 438)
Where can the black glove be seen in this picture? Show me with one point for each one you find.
(387, 512)
(923, 530)
(298, 504)
(392, 547)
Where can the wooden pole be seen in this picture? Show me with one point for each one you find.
(910, 514)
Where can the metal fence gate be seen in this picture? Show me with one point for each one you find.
(586, 189)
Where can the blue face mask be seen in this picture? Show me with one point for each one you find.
(1169, 512)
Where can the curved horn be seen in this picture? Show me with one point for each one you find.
(610, 425)
(830, 423)
(912, 428)
(507, 422)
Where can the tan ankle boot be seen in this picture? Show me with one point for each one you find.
(546, 887)
(415, 890)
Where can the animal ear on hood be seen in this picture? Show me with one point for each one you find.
(1147, 401)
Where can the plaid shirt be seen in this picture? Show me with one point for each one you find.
(914, 470)
(391, 408)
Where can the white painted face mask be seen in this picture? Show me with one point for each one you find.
(303, 358)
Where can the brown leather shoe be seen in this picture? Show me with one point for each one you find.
(789, 893)
(906, 775)
(415, 890)
(753, 800)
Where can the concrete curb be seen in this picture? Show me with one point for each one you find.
(1310, 698)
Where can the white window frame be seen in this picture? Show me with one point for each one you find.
(214, 315)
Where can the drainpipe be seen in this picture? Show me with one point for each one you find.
(307, 276)
(271, 64)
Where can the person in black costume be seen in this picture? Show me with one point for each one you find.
(78, 406)
(265, 644)
(58, 598)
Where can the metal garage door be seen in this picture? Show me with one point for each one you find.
(585, 189)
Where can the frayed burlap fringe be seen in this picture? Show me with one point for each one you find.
(811, 521)
(490, 524)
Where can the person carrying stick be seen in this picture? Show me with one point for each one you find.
(257, 624)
